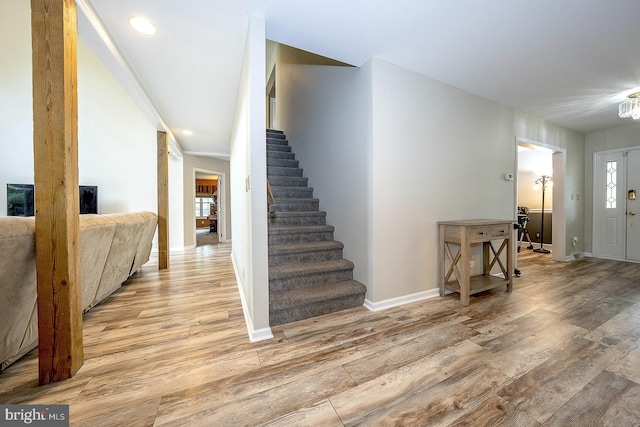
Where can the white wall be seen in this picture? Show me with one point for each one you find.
(191, 164)
(326, 114)
(620, 137)
(16, 117)
(249, 185)
(439, 153)
(116, 142)
(117, 146)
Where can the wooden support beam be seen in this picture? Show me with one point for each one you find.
(55, 146)
(163, 200)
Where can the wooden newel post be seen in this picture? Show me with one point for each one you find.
(163, 200)
(55, 146)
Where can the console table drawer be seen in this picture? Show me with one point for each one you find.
(478, 234)
(500, 231)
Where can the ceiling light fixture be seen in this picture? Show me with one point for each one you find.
(187, 132)
(142, 25)
(630, 107)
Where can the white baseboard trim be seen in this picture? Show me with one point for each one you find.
(577, 255)
(260, 335)
(255, 335)
(397, 301)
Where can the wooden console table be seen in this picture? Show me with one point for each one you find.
(464, 234)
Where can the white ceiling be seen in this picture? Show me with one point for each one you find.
(567, 61)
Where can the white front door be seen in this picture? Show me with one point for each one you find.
(633, 205)
(609, 208)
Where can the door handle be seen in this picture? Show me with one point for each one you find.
(631, 213)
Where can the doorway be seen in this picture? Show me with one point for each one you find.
(209, 207)
(554, 204)
(616, 208)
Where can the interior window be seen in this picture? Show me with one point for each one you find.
(203, 205)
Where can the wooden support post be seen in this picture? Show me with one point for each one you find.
(55, 146)
(163, 201)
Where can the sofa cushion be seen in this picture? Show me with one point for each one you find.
(96, 235)
(121, 254)
(144, 248)
(18, 284)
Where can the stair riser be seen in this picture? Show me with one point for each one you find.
(299, 206)
(277, 260)
(283, 163)
(277, 285)
(280, 155)
(292, 192)
(280, 317)
(288, 181)
(279, 171)
(275, 239)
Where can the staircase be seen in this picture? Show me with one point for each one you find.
(307, 275)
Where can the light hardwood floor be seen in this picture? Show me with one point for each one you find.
(171, 348)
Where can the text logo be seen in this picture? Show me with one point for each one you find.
(34, 415)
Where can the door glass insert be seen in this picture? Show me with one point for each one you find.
(611, 171)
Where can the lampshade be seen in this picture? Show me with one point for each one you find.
(630, 107)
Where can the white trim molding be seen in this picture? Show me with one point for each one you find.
(255, 335)
(398, 301)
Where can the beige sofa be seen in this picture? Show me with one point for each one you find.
(112, 248)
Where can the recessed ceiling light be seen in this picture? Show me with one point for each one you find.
(187, 132)
(142, 25)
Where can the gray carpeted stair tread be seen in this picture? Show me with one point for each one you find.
(283, 163)
(299, 214)
(277, 141)
(273, 154)
(280, 192)
(327, 291)
(293, 200)
(297, 204)
(288, 181)
(283, 171)
(301, 229)
(288, 187)
(309, 268)
(292, 248)
(319, 308)
(289, 219)
(276, 147)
